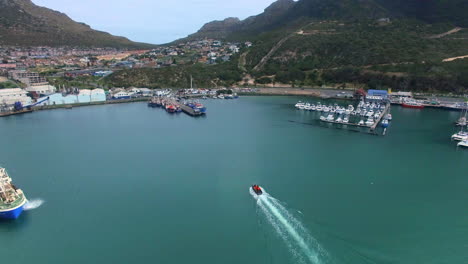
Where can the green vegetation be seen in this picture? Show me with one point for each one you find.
(221, 75)
(8, 84)
(81, 82)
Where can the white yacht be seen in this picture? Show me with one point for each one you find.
(370, 122)
(361, 123)
(389, 117)
(319, 108)
(312, 107)
(330, 118)
(339, 119)
(346, 120)
(326, 109)
(300, 105)
(307, 107)
(463, 143)
(460, 136)
(370, 113)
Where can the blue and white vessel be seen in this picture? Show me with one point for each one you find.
(12, 199)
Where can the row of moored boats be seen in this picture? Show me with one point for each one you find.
(339, 114)
(462, 135)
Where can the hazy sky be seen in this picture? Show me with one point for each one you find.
(153, 21)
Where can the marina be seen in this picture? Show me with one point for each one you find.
(375, 112)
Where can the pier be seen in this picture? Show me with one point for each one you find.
(384, 113)
(186, 109)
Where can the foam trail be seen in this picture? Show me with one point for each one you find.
(279, 229)
(301, 244)
(33, 204)
(289, 227)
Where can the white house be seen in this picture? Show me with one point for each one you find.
(13, 95)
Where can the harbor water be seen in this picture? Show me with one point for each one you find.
(132, 184)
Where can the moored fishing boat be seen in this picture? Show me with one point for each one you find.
(12, 199)
(412, 104)
(171, 108)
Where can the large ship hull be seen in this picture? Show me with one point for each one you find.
(12, 214)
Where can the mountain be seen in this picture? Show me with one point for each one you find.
(251, 25)
(289, 12)
(23, 23)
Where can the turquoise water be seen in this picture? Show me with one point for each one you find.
(129, 184)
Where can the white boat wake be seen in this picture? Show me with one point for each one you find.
(303, 247)
(33, 204)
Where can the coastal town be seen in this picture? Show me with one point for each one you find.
(67, 60)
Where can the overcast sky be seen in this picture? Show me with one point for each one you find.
(153, 21)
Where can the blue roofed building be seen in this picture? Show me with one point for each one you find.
(377, 95)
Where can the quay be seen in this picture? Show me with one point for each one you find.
(10, 113)
(70, 106)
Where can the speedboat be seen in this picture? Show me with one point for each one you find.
(346, 120)
(312, 107)
(370, 122)
(322, 118)
(339, 120)
(330, 118)
(389, 117)
(370, 113)
(319, 108)
(460, 136)
(257, 190)
(326, 109)
(361, 123)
